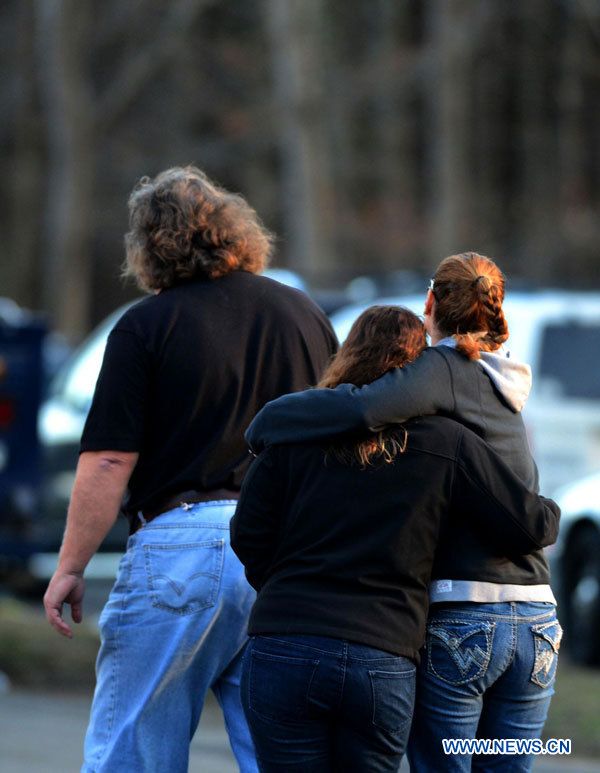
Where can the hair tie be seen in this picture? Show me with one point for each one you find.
(489, 282)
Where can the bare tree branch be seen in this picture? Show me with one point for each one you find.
(590, 12)
(139, 69)
(117, 17)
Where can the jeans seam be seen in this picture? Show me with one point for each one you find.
(342, 679)
(514, 639)
(115, 666)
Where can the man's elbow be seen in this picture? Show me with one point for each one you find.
(107, 465)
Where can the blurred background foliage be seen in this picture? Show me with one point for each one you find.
(371, 135)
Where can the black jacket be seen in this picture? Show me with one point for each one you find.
(338, 551)
(441, 381)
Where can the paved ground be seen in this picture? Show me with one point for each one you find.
(42, 733)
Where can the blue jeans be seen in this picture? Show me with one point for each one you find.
(174, 626)
(317, 704)
(488, 672)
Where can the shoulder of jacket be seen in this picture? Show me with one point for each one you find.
(439, 435)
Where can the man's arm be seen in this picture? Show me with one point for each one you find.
(100, 483)
(497, 503)
(421, 387)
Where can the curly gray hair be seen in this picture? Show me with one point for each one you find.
(182, 226)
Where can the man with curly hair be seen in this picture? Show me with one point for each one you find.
(184, 372)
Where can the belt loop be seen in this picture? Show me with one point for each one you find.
(143, 521)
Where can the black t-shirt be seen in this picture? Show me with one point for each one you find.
(186, 370)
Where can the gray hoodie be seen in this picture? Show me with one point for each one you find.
(510, 377)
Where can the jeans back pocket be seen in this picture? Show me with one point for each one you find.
(393, 695)
(546, 638)
(279, 686)
(459, 651)
(184, 578)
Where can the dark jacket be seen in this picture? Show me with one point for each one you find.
(440, 381)
(335, 550)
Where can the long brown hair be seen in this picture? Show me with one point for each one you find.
(469, 291)
(382, 338)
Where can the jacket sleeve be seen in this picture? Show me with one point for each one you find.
(421, 387)
(498, 505)
(254, 528)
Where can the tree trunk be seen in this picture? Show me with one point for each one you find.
(25, 178)
(538, 200)
(449, 33)
(62, 35)
(294, 28)
(395, 67)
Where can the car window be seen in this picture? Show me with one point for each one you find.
(81, 380)
(76, 381)
(569, 364)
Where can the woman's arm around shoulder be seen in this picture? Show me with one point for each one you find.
(421, 387)
(514, 518)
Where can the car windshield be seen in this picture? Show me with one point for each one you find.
(569, 363)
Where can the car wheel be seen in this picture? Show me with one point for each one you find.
(582, 596)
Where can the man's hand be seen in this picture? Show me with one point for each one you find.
(100, 482)
(64, 589)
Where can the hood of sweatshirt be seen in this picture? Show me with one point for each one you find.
(511, 377)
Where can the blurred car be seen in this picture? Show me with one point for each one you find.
(22, 337)
(575, 563)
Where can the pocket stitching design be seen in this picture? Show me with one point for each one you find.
(545, 656)
(487, 628)
(178, 587)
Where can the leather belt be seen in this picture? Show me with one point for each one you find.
(187, 498)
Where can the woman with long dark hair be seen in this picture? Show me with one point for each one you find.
(493, 636)
(339, 541)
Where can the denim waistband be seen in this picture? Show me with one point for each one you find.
(326, 645)
(217, 513)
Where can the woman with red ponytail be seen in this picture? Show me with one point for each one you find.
(492, 635)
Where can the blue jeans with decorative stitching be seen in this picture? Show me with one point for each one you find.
(174, 626)
(487, 672)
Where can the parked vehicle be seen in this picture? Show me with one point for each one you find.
(575, 563)
(21, 383)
